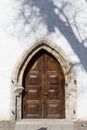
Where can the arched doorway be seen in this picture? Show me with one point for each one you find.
(43, 94)
(67, 78)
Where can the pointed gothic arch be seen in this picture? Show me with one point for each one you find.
(70, 81)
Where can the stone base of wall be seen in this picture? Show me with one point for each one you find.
(80, 125)
(7, 125)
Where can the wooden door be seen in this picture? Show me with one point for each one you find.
(43, 95)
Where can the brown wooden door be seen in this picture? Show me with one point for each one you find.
(43, 95)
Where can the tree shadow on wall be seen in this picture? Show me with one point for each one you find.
(52, 19)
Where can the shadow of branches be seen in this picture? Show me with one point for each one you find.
(52, 19)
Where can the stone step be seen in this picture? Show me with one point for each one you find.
(44, 124)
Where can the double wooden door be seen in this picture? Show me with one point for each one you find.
(43, 95)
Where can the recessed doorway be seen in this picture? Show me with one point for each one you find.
(43, 84)
(44, 93)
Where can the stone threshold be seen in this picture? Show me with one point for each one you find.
(45, 121)
(44, 124)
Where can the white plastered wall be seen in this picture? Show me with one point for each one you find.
(64, 22)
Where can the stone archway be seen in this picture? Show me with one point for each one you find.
(70, 82)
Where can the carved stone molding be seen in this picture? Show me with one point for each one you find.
(68, 69)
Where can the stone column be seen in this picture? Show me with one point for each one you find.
(18, 101)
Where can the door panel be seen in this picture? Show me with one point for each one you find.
(44, 88)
